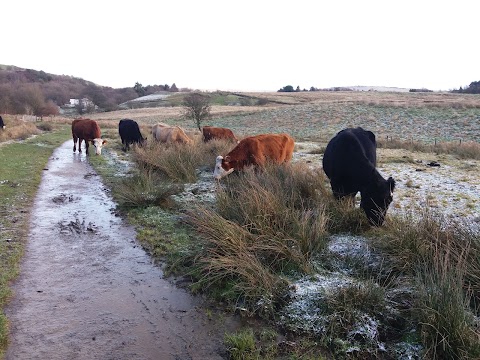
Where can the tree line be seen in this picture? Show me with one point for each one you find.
(473, 88)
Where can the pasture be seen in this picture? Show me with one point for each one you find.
(275, 245)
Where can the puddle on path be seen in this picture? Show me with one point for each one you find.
(88, 291)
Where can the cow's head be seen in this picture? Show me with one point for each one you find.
(223, 167)
(98, 143)
(375, 201)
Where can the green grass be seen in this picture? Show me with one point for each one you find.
(241, 345)
(20, 175)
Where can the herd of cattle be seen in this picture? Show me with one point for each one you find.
(349, 160)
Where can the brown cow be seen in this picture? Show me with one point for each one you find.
(88, 130)
(170, 134)
(256, 151)
(210, 133)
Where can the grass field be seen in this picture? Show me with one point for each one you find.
(401, 291)
(328, 285)
(317, 116)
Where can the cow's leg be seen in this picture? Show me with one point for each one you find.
(86, 146)
(75, 143)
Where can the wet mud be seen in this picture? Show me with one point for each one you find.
(87, 290)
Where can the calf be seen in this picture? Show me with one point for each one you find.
(88, 130)
(255, 151)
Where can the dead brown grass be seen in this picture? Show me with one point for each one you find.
(20, 131)
(374, 98)
(465, 150)
(21, 127)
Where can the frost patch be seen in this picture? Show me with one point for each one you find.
(304, 312)
(204, 190)
(345, 253)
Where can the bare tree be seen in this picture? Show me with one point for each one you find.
(197, 107)
(34, 99)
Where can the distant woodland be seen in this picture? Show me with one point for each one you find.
(27, 91)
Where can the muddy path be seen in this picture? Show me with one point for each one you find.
(89, 291)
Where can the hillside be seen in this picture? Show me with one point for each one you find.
(28, 91)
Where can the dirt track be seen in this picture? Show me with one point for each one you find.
(88, 291)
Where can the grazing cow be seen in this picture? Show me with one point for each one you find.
(350, 161)
(210, 132)
(2, 124)
(88, 130)
(170, 134)
(130, 133)
(256, 151)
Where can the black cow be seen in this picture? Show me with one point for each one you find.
(349, 162)
(2, 124)
(130, 133)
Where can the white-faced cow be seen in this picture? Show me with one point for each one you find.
(89, 131)
(2, 124)
(255, 151)
(350, 161)
(211, 132)
(170, 134)
(130, 133)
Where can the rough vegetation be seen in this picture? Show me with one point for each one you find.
(274, 244)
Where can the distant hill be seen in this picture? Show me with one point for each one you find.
(28, 91)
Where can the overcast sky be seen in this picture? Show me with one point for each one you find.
(249, 45)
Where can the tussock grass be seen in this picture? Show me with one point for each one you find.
(344, 216)
(442, 259)
(176, 162)
(145, 188)
(348, 306)
(447, 324)
(413, 239)
(20, 131)
(229, 261)
(283, 204)
(179, 162)
(266, 223)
